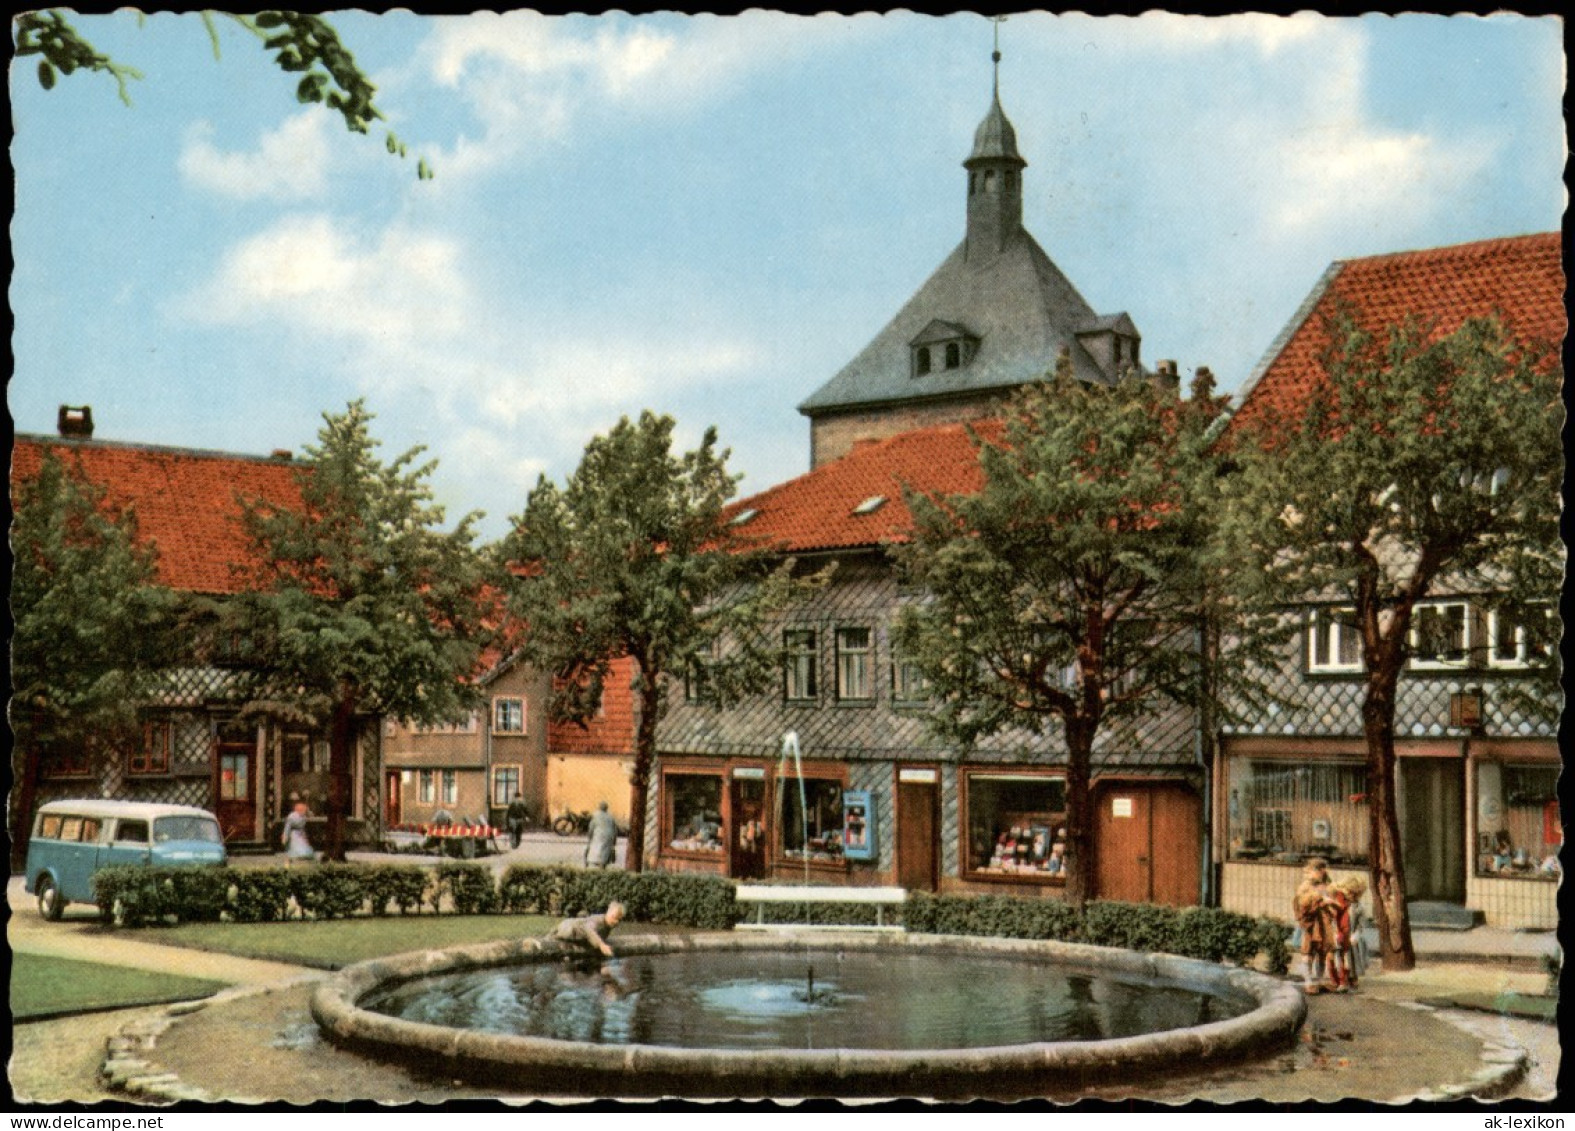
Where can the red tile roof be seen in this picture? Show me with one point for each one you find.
(185, 501)
(612, 731)
(816, 511)
(1520, 279)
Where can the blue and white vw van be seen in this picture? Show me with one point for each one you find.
(74, 839)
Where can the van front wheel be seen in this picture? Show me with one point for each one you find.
(51, 905)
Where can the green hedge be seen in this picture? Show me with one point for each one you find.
(1194, 932)
(138, 897)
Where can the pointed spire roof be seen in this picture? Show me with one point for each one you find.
(995, 138)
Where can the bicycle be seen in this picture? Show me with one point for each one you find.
(570, 823)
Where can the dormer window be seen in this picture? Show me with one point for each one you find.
(942, 345)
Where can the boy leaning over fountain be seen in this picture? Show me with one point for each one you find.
(590, 930)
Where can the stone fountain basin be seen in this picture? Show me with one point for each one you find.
(537, 1065)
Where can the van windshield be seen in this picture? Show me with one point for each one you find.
(186, 828)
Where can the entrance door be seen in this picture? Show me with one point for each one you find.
(1432, 831)
(391, 782)
(1147, 843)
(237, 790)
(747, 851)
(918, 829)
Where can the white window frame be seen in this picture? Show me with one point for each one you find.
(450, 787)
(1421, 663)
(798, 652)
(519, 783)
(1316, 619)
(426, 787)
(1521, 659)
(867, 653)
(501, 701)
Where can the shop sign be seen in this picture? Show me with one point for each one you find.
(920, 777)
(1121, 807)
(749, 773)
(858, 825)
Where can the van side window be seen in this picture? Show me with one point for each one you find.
(50, 827)
(71, 828)
(90, 827)
(132, 832)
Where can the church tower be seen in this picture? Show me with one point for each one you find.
(995, 315)
(995, 181)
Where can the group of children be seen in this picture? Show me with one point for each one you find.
(1329, 920)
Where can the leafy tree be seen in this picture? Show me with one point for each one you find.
(633, 557)
(302, 43)
(1419, 464)
(361, 604)
(1069, 593)
(89, 618)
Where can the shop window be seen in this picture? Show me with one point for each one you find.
(1016, 825)
(1518, 828)
(450, 787)
(153, 755)
(426, 787)
(1288, 812)
(1334, 641)
(508, 715)
(505, 785)
(692, 812)
(1441, 636)
(854, 647)
(801, 664)
(303, 754)
(811, 826)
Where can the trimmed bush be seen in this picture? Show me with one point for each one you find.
(135, 897)
(328, 891)
(525, 890)
(1193, 932)
(467, 885)
(200, 895)
(400, 885)
(259, 895)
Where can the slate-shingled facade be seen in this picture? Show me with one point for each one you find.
(193, 750)
(1479, 814)
(938, 817)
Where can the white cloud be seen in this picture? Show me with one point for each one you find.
(289, 163)
(1265, 34)
(530, 78)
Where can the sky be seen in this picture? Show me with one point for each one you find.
(708, 216)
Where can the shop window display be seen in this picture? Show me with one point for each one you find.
(815, 830)
(1518, 828)
(694, 812)
(1288, 811)
(1017, 826)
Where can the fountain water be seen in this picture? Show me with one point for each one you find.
(790, 747)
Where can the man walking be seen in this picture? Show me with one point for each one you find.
(518, 813)
(604, 838)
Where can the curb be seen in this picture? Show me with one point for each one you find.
(1503, 1066)
(127, 1066)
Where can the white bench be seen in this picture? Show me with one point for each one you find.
(762, 894)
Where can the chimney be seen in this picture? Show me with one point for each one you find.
(75, 422)
(1202, 383)
(1166, 375)
(283, 455)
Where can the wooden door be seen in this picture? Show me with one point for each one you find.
(1432, 837)
(391, 785)
(918, 834)
(747, 831)
(1147, 843)
(236, 805)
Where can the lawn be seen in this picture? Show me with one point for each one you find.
(42, 986)
(1533, 1007)
(334, 943)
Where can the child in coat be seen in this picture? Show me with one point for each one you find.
(1314, 924)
